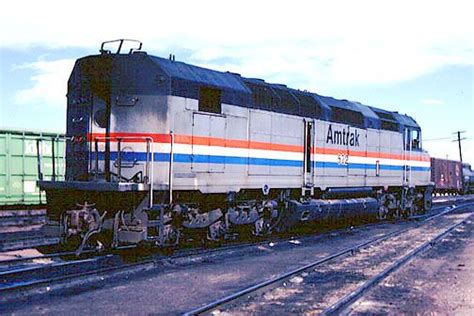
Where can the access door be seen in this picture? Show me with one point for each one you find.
(407, 156)
(208, 134)
(308, 163)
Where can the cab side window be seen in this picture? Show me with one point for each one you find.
(416, 140)
(413, 140)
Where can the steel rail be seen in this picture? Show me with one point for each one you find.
(154, 261)
(89, 251)
(347, 300)
(181, 254)
(69, 253)
(26, 242)
(46, 256)
(27, 284)
(8, 242)
(349, 250)
(53, 265)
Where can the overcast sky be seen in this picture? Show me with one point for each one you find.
(415, 57)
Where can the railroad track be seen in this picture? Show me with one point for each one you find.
(350, 298)
(21, 218)
(26, 241)
(21, 278)
(23, 275)
(19, 275)
(20, 229)
(200, 250)
(286, 292)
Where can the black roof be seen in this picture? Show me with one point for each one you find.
(185, 80)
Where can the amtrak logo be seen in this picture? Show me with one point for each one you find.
(342, 137)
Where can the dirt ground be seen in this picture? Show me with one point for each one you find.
(440, 281)
(311, 292)
(175, 289)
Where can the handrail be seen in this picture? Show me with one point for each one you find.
(150, 147)
(39, 152)
(105, 51)
(39, 155)
(53, 176)
(96, 148)
(149, 173)
(119, 158)
(170, 175)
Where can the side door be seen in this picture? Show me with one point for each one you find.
(373, 159)
(357, 151)
(308, 153)
(200, 143)
(208, 133)
(217, 133)
(260, 131)
(407, 153)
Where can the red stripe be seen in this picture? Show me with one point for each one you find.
(195, 140)
(235, 143)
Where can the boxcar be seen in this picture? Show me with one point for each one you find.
(19, 165)
(446, 175)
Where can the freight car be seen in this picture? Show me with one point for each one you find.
(160, 150)
(19, 167)
(446, 176)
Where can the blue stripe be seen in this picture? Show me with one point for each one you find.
(322, 164)
(421, 168)
(185, 158)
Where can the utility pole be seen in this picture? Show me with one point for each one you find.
(459, 139)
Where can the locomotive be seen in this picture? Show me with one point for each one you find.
(159, 150)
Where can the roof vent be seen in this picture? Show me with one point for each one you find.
(234, 73)
(256, 79)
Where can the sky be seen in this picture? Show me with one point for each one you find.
(414, 57)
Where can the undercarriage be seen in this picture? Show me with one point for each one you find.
(117, 219)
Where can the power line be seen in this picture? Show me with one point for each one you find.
(434, 139)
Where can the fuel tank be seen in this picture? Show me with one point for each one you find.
(318, 211)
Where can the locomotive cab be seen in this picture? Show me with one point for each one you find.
(104, 92)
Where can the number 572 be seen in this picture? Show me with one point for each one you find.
(342, 159)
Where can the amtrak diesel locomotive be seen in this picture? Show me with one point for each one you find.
(160, 150)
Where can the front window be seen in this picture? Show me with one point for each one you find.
(416, 140)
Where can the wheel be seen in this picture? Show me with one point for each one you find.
(427, 199)
(403, 208)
